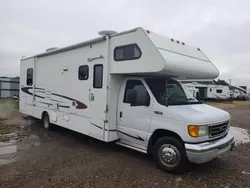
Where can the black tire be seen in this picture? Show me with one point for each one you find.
(170, 144)
(46, 122)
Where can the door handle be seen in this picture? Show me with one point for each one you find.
(158, 112)
(120, 114)
(92, 98)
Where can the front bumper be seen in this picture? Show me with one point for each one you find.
(204, 152)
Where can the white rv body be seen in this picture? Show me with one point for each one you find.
(219, 92)
(86, 88)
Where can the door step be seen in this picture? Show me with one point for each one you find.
(131, 147)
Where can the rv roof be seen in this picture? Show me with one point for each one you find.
(78, 45)
(96, 40)
(162, 56)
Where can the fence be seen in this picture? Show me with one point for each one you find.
(9, 87)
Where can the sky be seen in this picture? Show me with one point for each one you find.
(221, 28)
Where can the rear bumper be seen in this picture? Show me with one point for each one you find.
(204, 152)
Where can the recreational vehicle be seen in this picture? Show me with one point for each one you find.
(191, 88)
(122, 88)
(238, 93)
(209, 92)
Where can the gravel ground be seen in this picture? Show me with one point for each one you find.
(62, 158)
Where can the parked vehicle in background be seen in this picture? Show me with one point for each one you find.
(122, 88)
(209, 92)
(238, 93)
(9, 87)
(191, 89)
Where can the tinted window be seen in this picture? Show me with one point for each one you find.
(142, 94)
(29, 80)
(98, 75)
(127, 52)
(83, 72)
(218, 91)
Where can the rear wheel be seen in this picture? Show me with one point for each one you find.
(170, 155)
(46, 122)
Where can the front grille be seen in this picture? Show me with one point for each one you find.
(217, 130)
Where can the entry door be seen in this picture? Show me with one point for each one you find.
(26, 86)
(134, 121)
(97, 97)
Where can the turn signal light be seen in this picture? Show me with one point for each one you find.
(193, 130)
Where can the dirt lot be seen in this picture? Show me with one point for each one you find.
(32, 157)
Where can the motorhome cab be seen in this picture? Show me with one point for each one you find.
(122, 87)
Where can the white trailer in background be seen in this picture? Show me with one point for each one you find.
(121, 88)
(209, 92)
(191, 89)
(9, 87)
(238, 93)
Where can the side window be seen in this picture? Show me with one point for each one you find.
(142, 96)
(83, 72)
(98, 76)
(29, 79)
(219, 91)
(127, 52)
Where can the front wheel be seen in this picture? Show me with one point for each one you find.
(170, 155)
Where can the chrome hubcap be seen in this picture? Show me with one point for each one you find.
(169, 155)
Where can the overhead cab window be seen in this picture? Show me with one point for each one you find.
(127, 52)
(29, 79)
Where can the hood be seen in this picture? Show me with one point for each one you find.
(198, 114)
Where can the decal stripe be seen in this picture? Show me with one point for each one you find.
(102, 128)
(45, 103)
(63, 106)
(39, 88)
(26, 90)
(80, 105)
(96, 125)
(56, 100)
(40, 91)
(137, 138)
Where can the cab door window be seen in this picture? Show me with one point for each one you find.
(140, 93)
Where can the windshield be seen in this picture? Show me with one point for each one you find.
(170, 92)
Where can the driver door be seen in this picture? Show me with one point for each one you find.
(134, 119)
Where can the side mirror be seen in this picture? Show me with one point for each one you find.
(131, 96)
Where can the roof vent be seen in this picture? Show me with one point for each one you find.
(51, 49)
(107, 33)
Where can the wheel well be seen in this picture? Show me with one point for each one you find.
(159, 133)
(43, 114)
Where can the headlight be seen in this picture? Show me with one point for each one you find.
(198, 131)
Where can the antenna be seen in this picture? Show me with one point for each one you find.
(107, 33)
